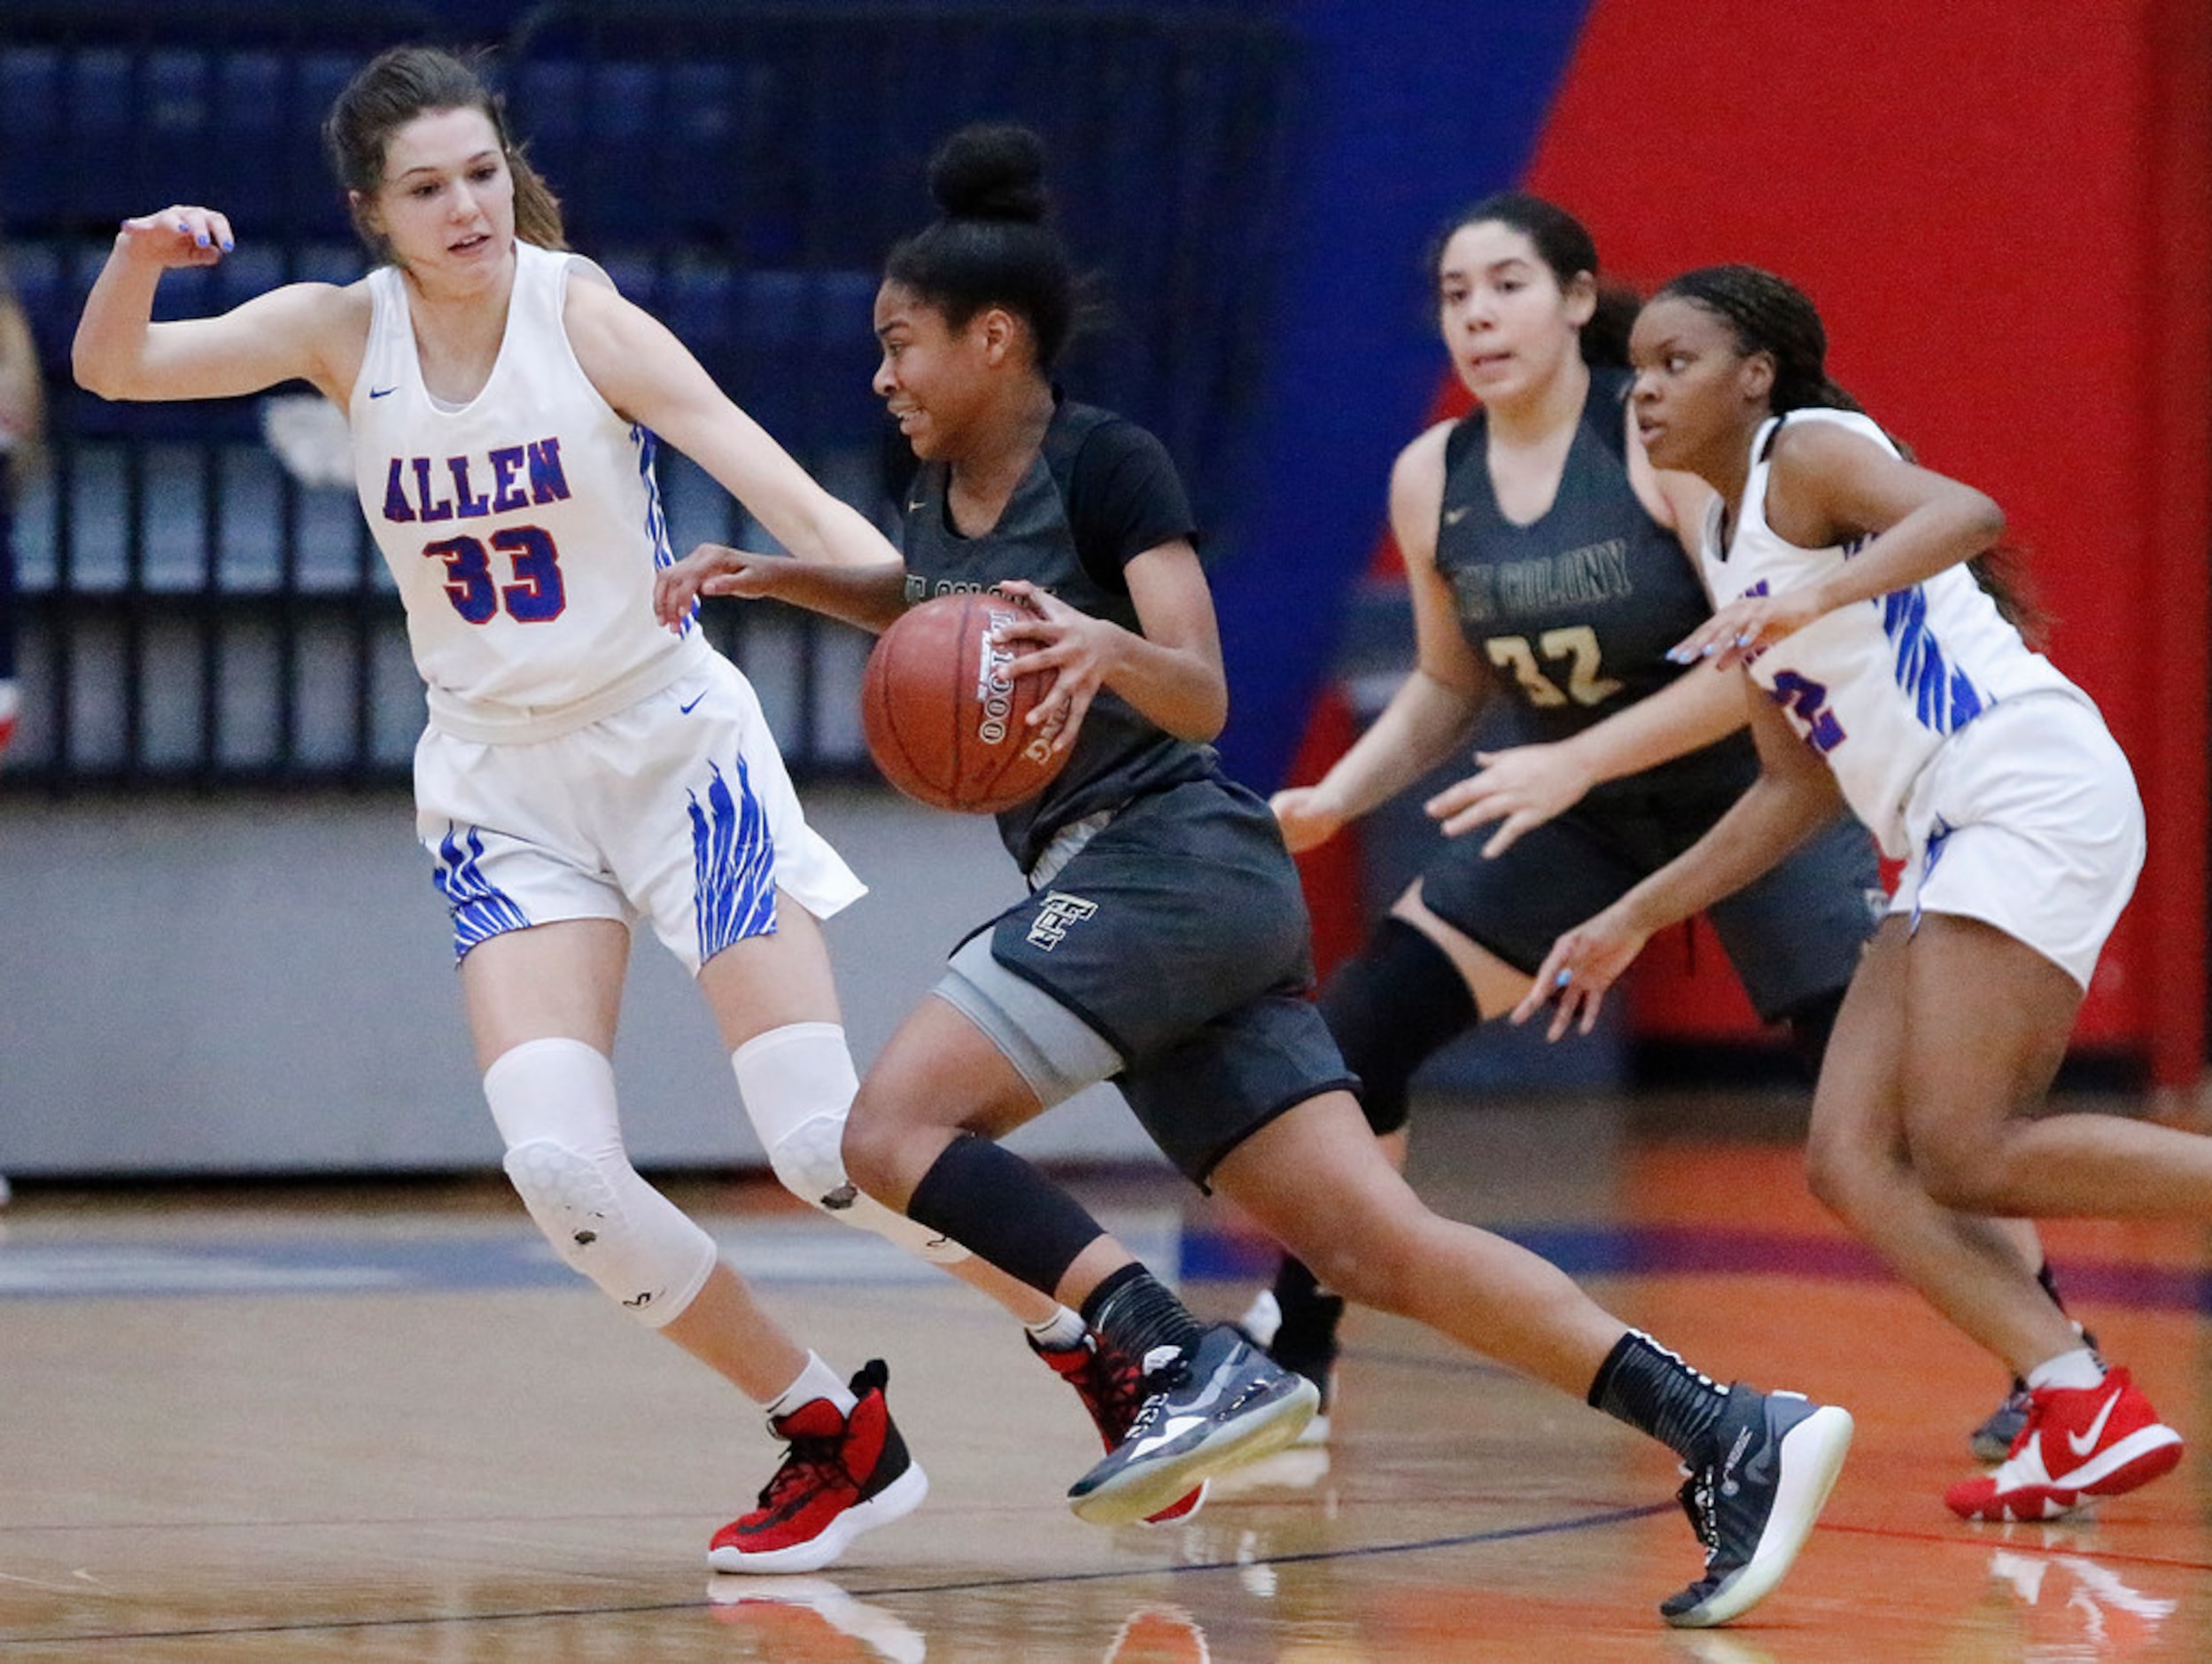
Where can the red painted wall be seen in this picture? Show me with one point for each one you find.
(2003, 209)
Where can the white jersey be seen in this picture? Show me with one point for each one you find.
(522, 528)
(1878, 686)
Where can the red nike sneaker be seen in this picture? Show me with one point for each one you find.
(1112, 1389)
(2077, 1444)
(842, 1474)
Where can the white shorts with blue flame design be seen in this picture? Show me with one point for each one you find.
(676, 809)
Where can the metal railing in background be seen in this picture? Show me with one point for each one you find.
(195, 610)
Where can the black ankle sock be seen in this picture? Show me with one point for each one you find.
(1133, 1313)
(1295, 1284)
(1642, 1383)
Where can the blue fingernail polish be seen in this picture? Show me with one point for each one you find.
(1563, 979)
(227, 246)
(1678, 656)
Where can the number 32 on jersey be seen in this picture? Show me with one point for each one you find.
(1574, 646)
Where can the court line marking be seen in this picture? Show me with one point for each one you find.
(1472, 1539)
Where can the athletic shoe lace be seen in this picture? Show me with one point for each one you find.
(809, 1464)
(1166, 1368)
(1697, 1497)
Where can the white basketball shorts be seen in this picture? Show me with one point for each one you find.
(2028, 819)
(677, 808)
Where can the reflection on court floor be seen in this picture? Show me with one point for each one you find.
(388, 1425)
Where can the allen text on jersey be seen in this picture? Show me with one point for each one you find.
(431, 488)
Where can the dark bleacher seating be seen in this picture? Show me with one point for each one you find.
(740, 168)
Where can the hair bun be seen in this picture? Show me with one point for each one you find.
(990, 173)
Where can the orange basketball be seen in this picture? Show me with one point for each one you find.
(943, 713)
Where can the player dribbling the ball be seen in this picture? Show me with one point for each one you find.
(1164, 943)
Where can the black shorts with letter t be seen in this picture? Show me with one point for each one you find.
(1179, 934)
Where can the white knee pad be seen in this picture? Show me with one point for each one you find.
(555, 1103)
(797, 1082)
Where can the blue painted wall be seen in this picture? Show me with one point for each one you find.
(1414, 110)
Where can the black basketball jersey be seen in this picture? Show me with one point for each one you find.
(1100, 491)
(1572, 614)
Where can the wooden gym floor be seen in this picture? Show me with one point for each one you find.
(384, 1424)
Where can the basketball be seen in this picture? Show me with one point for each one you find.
(944, 715)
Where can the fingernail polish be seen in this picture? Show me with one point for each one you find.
(1563, 979)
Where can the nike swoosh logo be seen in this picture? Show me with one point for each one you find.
(1453, 516)
(378, 393)
(1177, 1425)
(2083, 1443)
(915, 506)
(693, 705)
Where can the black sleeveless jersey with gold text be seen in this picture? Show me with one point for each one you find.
(1572, 614)
(1101, 491)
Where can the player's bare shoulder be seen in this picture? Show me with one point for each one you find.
(624, 350)
(594, 309)
(1809, 447)
(1417, 493)
(326, 326)
(1422, 462)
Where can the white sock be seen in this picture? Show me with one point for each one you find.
(1062, 1332)
(2076, 1369)
(816, 1380)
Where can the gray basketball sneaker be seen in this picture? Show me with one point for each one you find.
(1768, 1465)
(1218, 1406)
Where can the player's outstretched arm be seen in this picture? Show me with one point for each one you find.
(650, 377)
(297, 332)
(1794, 794)
(1431, 710)
(1525, 785)
(869, 596)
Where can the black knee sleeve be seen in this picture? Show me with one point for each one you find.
(1809, 1025)
(1390, 1007)
(996, 1205)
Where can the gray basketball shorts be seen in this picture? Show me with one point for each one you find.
(1173, 957)
(1793, 935)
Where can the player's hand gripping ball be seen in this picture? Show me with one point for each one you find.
(946, 716)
